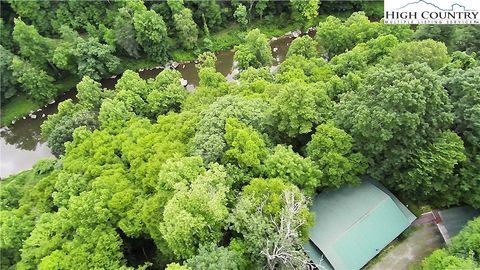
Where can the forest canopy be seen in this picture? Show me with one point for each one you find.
(150, 175)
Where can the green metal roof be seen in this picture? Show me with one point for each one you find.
(353, 224)
(456, 218)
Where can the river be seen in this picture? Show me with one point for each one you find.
(21, 143)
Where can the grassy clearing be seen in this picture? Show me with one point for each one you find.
(135, 64)
(21, 105)
(17, 107)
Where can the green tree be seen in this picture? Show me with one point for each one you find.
(456, 37)
(399, 110)
(364, 55)
(59, 128)
(151, 34)
(438, 32)
(241, 16)
(463, 251)
(208, 11)
(94, 59)
(331, 149)
(462, 86)
(167, 94)
(196, 214)
(289, 166)
(90, 94)
(299, 107)
(426, 51)
(441, 259)
(333, 36)
(304, 46)
(33, 46)
(433, 172)
(187, 30)
(246, 147)
(466, 243)
(470, 175)
(125, 34)
(209, 77)
(34, 81)
(133, 91)
(297, 67)
(254, 51)
(175, 5)
(213, 257)
(6, 38)
(209, 141)
(7, 81)
(206, 60)
(305, 10)
(38, 12)
(64, 53)
(265, 208)
(465, 39)
(176, 266)
(113, 114)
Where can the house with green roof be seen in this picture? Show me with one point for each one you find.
(353, 224)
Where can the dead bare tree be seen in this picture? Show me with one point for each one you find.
(284, 249)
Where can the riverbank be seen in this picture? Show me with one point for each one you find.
(226, 39)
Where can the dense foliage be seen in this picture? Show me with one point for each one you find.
(70, 39)
(462, 252)
(149, 175)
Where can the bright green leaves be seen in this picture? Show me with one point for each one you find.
(296, 67)
(245, 146)
(289, 166)
(462, 252)
(331, 149)
(153, 97)
(364, 54)
(441, 259)
(428, 51)
(304, 10)
(34, 81)
(90, 93)
(186, 27)
(333, 36)
(196, 213)
(241, 15)
(177, 173)
(304, 46)
(298, 107)
(336, 37)
(209, 142)
(397, 111)
(166, 93)
(213, 257)
(432, 171)
(151, 34)
(254, 51)
(94, 59)
(59, 127)
(33, 46)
